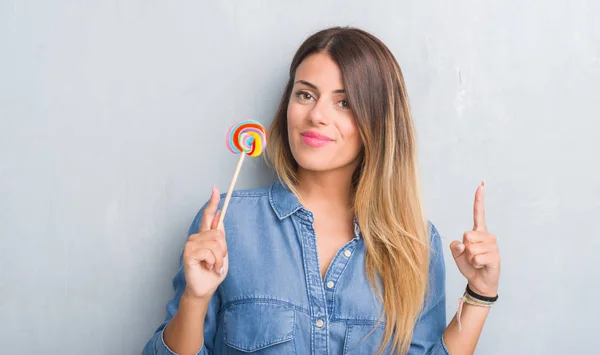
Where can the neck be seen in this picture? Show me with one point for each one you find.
(325, 190)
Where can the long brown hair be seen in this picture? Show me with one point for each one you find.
(385, 191)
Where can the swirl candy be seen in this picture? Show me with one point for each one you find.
(248, 136)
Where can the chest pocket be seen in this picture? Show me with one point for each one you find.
(259, 328)
(364, 339)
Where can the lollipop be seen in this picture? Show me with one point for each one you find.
(247, 137)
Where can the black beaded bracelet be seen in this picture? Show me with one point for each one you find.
(480, 297)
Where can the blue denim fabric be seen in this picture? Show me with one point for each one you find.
(274, 301)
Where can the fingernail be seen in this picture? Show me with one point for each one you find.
(221, 270)
(211, 267)
(460, 247)
(482, 183)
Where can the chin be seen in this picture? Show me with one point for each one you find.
(318, 161)
(315, 167)
(313, 162)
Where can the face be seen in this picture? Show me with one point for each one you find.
(321, 127)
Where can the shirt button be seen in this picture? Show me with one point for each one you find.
(319, 323)
(330, 284)
(347, 253)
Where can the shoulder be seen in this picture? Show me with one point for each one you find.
(244, 202)
(246, 205)
(435, 239)
(437, 268)
(433, 231)
(435, 244)
(248, 193)
(244, 199)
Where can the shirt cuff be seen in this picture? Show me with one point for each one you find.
(444, 349)
(160, 348)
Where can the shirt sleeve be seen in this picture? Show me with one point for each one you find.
(156, 345)
(430, 326)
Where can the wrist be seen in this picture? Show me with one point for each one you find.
(190, 297)
(484, 292)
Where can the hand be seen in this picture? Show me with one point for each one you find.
(477, 256)
(205, 258)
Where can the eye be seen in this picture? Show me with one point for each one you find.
(344, 104)
(303, 95)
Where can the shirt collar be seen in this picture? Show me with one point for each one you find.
(285, 203)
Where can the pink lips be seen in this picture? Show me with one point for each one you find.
(315, 139)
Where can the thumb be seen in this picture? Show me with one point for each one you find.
(457, 248)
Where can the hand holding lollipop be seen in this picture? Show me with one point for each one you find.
(201, 254)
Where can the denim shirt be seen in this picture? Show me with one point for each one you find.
(274, 300)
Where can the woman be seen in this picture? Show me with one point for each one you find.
(336, 256)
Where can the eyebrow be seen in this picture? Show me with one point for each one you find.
(339, 91)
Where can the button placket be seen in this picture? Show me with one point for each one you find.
(314, 283)
(337, 267)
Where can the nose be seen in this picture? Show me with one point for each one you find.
(318, 114)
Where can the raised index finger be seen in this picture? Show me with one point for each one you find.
(479, 210)
(210, 210)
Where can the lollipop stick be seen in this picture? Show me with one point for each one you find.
(235, 175)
